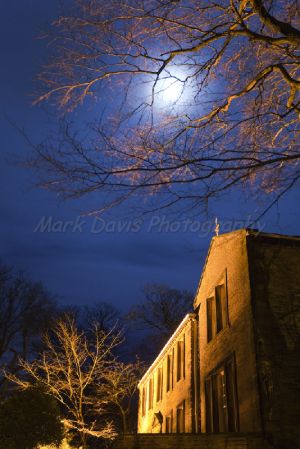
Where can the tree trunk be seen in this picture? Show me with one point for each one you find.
(83, 440)
(124, 421)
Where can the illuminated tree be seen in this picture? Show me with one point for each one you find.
(72, 370)
(121, 389)
(195, 97)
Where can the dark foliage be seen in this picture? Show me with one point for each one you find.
(26, 311)
(29, 418)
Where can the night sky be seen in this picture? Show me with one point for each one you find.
(87, 263)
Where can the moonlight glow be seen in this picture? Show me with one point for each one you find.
(171, 89)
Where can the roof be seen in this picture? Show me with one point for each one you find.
(268, 235)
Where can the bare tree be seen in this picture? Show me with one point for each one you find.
(161, 312)
(72, 369)
(26, 310)
(105, 315)
(121, 387)
(232, 68)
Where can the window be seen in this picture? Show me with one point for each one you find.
(180, 360)
(159, 386)
(150, 394)
(216, 312)
(221, 399)
(180, 418)
(221, 307)
(143, 401)
(210, 315)
(169, 422)
(169, 372)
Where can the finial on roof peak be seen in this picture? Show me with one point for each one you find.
(217, 227)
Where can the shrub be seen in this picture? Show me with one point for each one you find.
(29, 418)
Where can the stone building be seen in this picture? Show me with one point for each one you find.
(168, 388)
(233, 365)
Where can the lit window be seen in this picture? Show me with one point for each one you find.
(169, 372)
(180, 359)
(180, 418)
(143, 401)
(159, 389)
(221, 399)
(169, 420)
(150, 394)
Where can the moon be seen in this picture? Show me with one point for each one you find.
(170, 87)
(169, 90)
(167, 94)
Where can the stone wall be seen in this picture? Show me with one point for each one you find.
(191, 441)
(275, 283)
(227, 262)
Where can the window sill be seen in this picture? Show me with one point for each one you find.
(218, 334)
